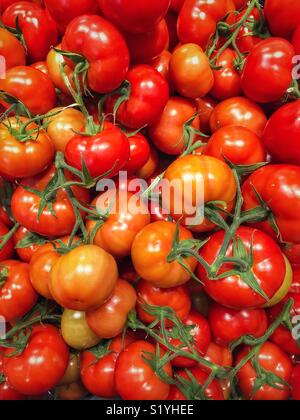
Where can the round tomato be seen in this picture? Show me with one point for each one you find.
(162, 65)
(176, 5)
(246, 38)
(54, 62)
(8, 250)
(11, 49)
(7, 393)
(282, 18)
(24, 253)
(150, 167)
(205, 107)
(296, 383)
(292, 251)
(72, 374)
(139, 153)
(296, 40)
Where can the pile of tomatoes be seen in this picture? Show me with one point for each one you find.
(97, 299)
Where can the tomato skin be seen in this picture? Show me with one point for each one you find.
(205, 107)
(238, 144)
(109, 320)
(198, 19)
(278, 185)
(53, 61)
(103, 46)
(292, 251)
(167, 132)
(144, 386)
(134, 16)
(139, 153)
(190, 71)
(72, 374)
(51, 356)
(232, 291)
(284, 123)
(176, 298)
(228, 325)
(71, 392)
(273, 359)
(11, 49)
(149, 169)
(7, 393)
(245, 39)
(267, 73)
(8, 251)
(27, 158)
(296, 40)
(227, 81)
(238, 111)
(37, 26)
(149, 254)
(148, 98)
(296, 383)
(282, 18)
(17, 296)
(25, 254)
(213, 391)
(176, 5)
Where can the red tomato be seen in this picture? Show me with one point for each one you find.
(176, 5)
(24, 83)
(205, 107)
(296, 383)
(8, 250)
(135, 16)
(292, 251)
(267, 74)
(147, 97)
(25, 254)
(7, 393)
(11, 49)
(5, 3)
(162, 65)
(228, 325)
(282, 18)
(41, 66)
(139, 153)
(176, 298)
(246, 39)
(296, 40)
(272, 359)
(102, 45)
(240, 3)
(50, 355)
(278, 186)
(232, 291)
(38, 28)
(284, 124)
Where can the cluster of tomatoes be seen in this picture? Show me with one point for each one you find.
(99, 299)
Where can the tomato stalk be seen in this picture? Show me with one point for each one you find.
(6, 238)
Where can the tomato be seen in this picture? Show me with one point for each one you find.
(150, 250)
(176, 298)
(134, 16)
(227, 82)
(76, 332)
(238, 144)
(292, 251)
(101, 44)
(11, 49)
(54, 62)
(232, 291)
(171, 20)
(38, 28)
(198, 19)
(23, 83)
(278, 186)
(50, 355)
(25, 207)
(190, 71)
(267, 74)
(284, 124)
(162, 65)
(150, 166)
(24, 158)
(147, 97)
(228, 325)
(198, 180)
(295, 287)
(205, 106)
(72, 374)
(296, 383)
(238, 111)
(41, 66)
(296, 40)
(271, 359)
(246, 39)
(176, 5)
(17, 296)
(139, 153)
(167, 133)
(146, 46)
(7, 393)
(25, 254)
(146, 385)
(282, 18)
(8, 250)
(71, 392)
(109, 320)
(212, 392)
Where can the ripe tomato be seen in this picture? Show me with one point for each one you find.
(177, 298)
(71, 392)
(150, 250)
(139, 153)
(147, 97)
(84, 278)
(198, 19)
(284, 124)
(267, 74)
(41, 66)
(238, 111)
(150, 167)
(282, 18)
(228, 325)
(134, 16)
(38, 28)
(296, 383)
(168, 132)
(232, 291)
(146, 385)
(227, 82)
(207, 177)
(7, 393)
(240, 3)
(162, 65)
(54, 61)
(8, 250)
(176, 5)
(295, 287)
(212, 392)
(102, 46)
(292, 251)
(296, 40)
(246, 39)
(205, 108)
(190, 71)
(24, 158)
(25, 254)
(17, 296)
(271, 359)
(23, 83)
(11, 49)
(238, 144)
(109, 320)
(278, 186)
(50, 355)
